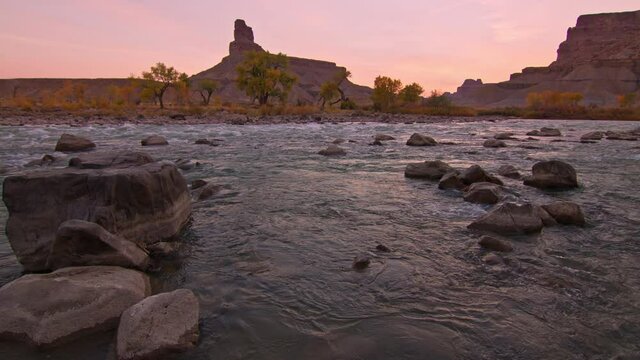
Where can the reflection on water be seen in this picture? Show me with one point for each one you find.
(270, 257)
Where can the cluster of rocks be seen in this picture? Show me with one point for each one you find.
(91, 230)
(378, 140)
(508, 216)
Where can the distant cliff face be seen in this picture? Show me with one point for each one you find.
(600, 59)
(311, 74)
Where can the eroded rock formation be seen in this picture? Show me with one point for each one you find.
(600, 59)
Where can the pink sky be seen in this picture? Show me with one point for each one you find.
(437, 43)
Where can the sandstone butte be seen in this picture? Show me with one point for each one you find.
(600, 59)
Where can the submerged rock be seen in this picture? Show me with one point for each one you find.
(333, 150)
(383, 137)
(545, 131)
(81, 243)
(421, 140)
(565, 212)
(504, 136)
(196, 184)
(338, 141)
(154, 140)
(494, 244)
(492, 259)
(620, 135)
(594, 135)
(483, 193)
(382, 248)
(552, 175)
(431, 170)
(493, 143)
(376, 143)
(361, 262)
(144, 204)
(158, 326)
(510, 218)
(101, 160)
(208, 191)
(50, 309)
(73, 143)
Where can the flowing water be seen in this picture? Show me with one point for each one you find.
(270, 256)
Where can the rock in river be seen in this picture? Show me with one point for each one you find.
(552, 175)
(158, 326)
(475, 174)
(144, 204)
(421, 140)
(483, 193)
(509, 171)
(432, 170)
(72, 143)
(494, 143)
(494, 244)
(333, 150)
(82, 243)
(545, 131)
(511, 218)
(101, 160)
(49, 309)
(154, 140)
(565, 212)
(383, 137)
(451, 180)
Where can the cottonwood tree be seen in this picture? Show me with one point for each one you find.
(206, 88)
(385, 92)
(410, 94)
(159, 79)
(332, 89)
(263, 75)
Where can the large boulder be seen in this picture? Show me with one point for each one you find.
(483, 193)
(49, 309)
(475, 174)
(101, 160)
(421, 140)
(154, 140)
(565, 212)
(511, 218)
(72, 143)
(82, 243)
(143, 204)
(158, 326)
(432, 170)
(552, 175)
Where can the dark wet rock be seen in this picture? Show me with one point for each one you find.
(159, 325)
(421, 140)
(382, 248)
(475, 174)
(376, 143)
(483, 193)
(164, 249)
(451, 180)
(154, 140)
(203, 142)
(177, 117)
(493, 143)
(361, 262)
(46, 160)
(494, 244)
(73, 143)
(565, 212)
(333, 150)
(552, 175)
(509, 171)
(492, 259)
(594, 135)
(504, 136)
(144, 204)
(431, 170)
(510, 218)
(338, 141)
(383, 137)
(82, 243)
(619, 135)
(196, 184)
(50, 309)
(208, 191)
(101, 160)
(545, 131)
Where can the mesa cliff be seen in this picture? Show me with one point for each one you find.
(599, 59)
(311, 74)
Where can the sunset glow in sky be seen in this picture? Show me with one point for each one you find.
(437, 43)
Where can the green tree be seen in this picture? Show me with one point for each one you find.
(410, 94)
(385, 92)
(628, 100)
(159, 79)
(263, 75)
(328, 92)
(437, 100)
(206, 88)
